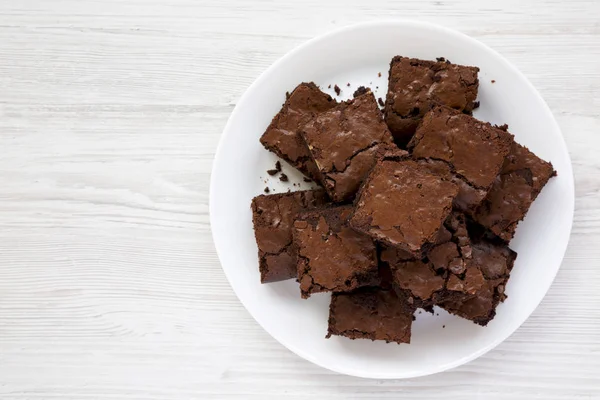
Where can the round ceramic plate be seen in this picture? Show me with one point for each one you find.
(358, 55)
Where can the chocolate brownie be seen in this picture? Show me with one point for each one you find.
(438, 276)
(273, 216)
(281, 137)
(403, 205)
(332, 256)
(345, 141)
(472, 150)
(371, 313)
(495, 261)
(416, 85)
(522, 178)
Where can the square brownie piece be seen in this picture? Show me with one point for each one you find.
(371, 313)
(473, 152)
(281, 137)
(495, 261)
(331, 256)
(345, 141)
(416, 85)
(441, 275)
(273, 217)
(522, 178)
(403, 205)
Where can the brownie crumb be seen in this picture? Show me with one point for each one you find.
(287, 95)
(267, 190)
(283, 178)
(272, 171)
(493, 81)
(379, 74)
(337, 90)
(380, 101)
(289, 190)
(307, 179)
(278, 166)
(329, 87)
(476, 104)
(348, 84)
(360, 91)
(443, 326)
(440, 59)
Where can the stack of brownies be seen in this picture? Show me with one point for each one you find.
(417, 205)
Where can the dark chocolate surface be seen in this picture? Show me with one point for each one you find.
(495, 261)
(281, 137)
(273, 216)
(371, 313)
(417, 85)
(331, 255)
(522, 178)
(403, 205)
(473, 150)
(443, 273)
(345, 142)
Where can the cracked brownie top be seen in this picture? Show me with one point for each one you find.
(403, 205)
(472, 151)
(521, 179)
(332, 256)
(281, 137)
(273, 216)
(416, 85)
(345, 142)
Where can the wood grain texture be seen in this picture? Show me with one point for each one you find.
(110, 112)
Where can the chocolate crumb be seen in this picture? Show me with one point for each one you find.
(443, 326)
(287, 95)
(278, 166)
(379, 74)
(283, 178)
(267, 190)
(359, 91)
(380, 101)
(329, 87)
(348, 84)
(289, 190)
(440, 59)
(493, 81)
(307, 179)
(272, 171)
(476, 104)
(337, 90)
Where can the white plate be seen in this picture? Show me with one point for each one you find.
(356, 54)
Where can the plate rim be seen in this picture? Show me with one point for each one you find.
(365, 25)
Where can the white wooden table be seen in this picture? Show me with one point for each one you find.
(110, 112)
